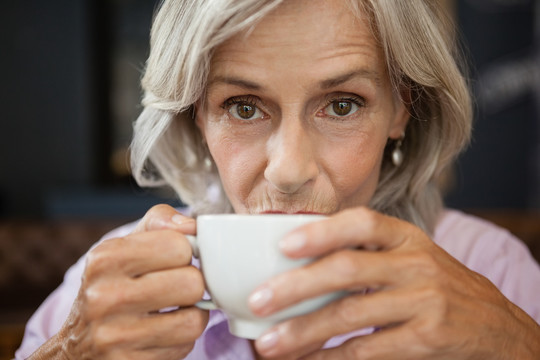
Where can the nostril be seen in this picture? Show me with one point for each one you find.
(286, 188)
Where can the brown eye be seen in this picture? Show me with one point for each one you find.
(245, 111)
(342, 108)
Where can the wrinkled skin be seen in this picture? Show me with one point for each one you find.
(125, 282)
(428, 305)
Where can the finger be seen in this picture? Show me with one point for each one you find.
(174, 328)
(137, 254)
(388, 344)
(297, 353)
(177, 287)
(343, 316)
(164, 216)
(348, 269)
(359, 227)
(161, 353)
(149, 293)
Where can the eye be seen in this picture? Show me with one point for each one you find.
(243, 109)
(341, 107)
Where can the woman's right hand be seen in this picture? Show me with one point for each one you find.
(126, 282)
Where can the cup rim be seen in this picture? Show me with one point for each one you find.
(262, 216)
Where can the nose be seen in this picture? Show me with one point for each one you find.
(291, 157)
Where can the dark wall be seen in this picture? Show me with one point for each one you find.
(57, 127)
(48, 137)
(501, 169)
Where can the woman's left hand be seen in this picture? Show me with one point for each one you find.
(426, 304)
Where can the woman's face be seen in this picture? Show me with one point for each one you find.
(298, 111)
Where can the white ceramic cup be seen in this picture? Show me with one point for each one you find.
(238, 253)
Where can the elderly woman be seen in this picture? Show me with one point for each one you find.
(347, 108)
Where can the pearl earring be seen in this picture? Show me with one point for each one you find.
(207, 163)
(397, 154)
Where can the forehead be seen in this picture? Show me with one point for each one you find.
(310, 35)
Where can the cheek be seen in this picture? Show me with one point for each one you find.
(354, 168)
(239, 163)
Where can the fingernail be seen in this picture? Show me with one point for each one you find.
(179, 219)
(268, 340)
(292, 243)
(260, 298)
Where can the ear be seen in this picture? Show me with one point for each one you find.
(402, 115)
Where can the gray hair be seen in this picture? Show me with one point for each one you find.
(167, 148)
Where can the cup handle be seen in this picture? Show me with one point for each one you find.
(206, 305)
(203, 304)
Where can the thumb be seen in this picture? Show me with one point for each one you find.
(161, 217)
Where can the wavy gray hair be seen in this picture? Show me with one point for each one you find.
(167, 147)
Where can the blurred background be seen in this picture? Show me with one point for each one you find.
(70, 93)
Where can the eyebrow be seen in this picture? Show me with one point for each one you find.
(324, 84)
(358, 73)
(246, 84)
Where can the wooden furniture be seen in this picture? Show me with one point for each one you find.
(34, 256)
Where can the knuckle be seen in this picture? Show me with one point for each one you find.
(104, 339)
(158, 209)
(347, 312)
(435, 297)
(96, 262)
(104, 298)
(97, 301)
(101, 259)
(426, 336)
(436, 305)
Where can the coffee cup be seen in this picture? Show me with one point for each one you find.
(237, 254)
